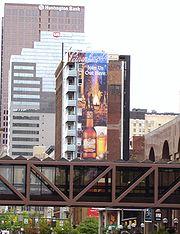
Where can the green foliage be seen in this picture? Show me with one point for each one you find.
(65, 229)
(88, 226)
(44, 227)
(161, 231)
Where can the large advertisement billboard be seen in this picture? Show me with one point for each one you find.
(92, 103)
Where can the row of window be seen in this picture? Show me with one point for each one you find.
(25, 89)
(26, 81)
(25, 125)
(23, 146)
(26, 96)
(33, 104)
(24, 139)
(24, 74)
(24, 67)
(22, 153)
(26, 117)
(24, 132)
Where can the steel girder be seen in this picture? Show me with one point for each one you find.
(89, 184)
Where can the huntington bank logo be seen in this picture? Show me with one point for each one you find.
(59, 8)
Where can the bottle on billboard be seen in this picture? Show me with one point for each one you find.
(89, 137)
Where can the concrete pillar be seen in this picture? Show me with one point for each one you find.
(118, 217)
(100, 222)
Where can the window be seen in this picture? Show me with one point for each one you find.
(26, 117)
(70, 125)
(26, 82)
(71, 95)
(24, 67)
(23, 146)
(69, 140)
(24, 74)
(24, 139)
(22, 153)
(69, 155)
(71, 110)
(24, 89)
(25, 125)
(71, 81)
(26, 96)
(71, 66)
(33, 104)
(24, 132)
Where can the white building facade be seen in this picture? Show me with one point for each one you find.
(32, 91)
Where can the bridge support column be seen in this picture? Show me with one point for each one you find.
(118, 217)
(101, 225)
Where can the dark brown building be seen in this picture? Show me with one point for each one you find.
(21, 26)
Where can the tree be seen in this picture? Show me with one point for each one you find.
(44, 227)
(161, 231)
(65, 229)
(89, 225)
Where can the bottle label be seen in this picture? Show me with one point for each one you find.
(89, 145)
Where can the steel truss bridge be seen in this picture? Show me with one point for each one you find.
(81, 183)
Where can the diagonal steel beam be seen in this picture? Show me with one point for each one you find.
(50, 183)
(166, 195)
(92, 183)
(12, 188)
(128, 190)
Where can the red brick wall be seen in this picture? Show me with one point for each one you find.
(114, 110)
(138, 147)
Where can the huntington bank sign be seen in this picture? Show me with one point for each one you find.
(59, 8)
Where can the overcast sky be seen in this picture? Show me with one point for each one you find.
(149, 31)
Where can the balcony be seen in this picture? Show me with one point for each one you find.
(71, 88)
(71, 147)
(71, 132)
(71, 102)
(71, 117)
(72, 72)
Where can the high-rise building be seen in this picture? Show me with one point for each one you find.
(21, 26)
(92, 105)
(32, 91)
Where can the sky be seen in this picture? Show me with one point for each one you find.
(148, 31)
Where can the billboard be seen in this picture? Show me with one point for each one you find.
(92, 103)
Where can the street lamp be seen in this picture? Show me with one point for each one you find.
(142, 227)
(129, 227)
(133, 225)
(175, 222)
(120, 226)
(109, 229)
(165, 221)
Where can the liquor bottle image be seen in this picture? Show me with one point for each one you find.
(89, 137)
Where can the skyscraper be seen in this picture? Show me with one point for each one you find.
(32, 91)
(21, 26)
